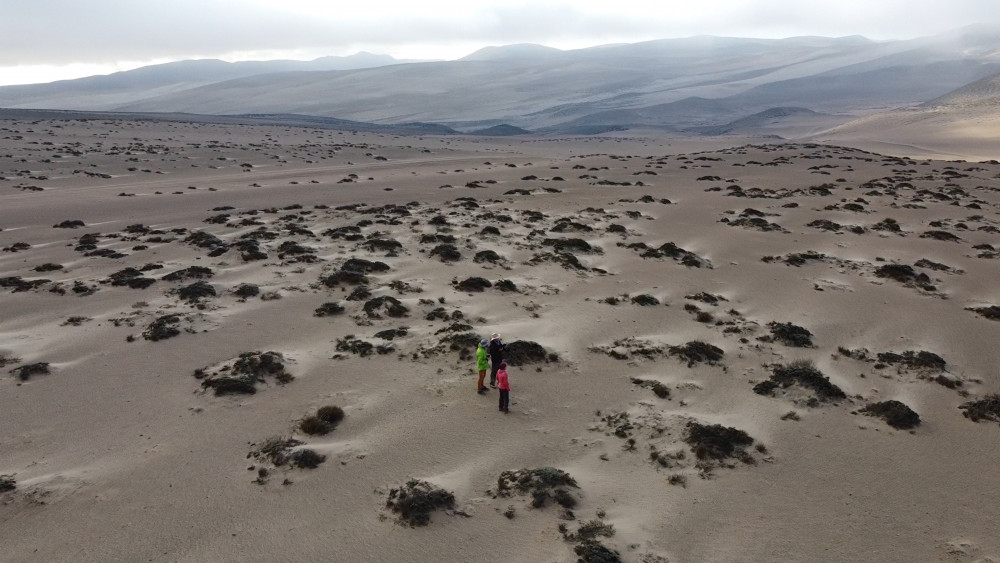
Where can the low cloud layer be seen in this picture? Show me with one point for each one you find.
(58, 32)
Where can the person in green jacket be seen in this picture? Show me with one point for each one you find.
(482, 364)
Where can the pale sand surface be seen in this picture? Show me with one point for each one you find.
(119, 454)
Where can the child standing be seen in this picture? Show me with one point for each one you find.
(504, 385)
(482, 364)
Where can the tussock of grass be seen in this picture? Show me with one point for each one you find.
(415, 501)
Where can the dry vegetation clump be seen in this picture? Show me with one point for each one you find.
(589, 549)
(242, 377)
(246, 290)
(415, 501)
(645, 300)
(629, 347)
(803, 374)
(895, 413)
(790, 335)
(987, 408)
(385, 304)
(659, 389)
(523, 352)
(473, 284)
(196, 291)
(7, 359)
(130, 277)
(193, 272)
(992, 312)
(329, 309)
(162, 328)
(354, 345)
(7, 483)
(27, 370)
(696, 351)
(906, 275)
(323, 422)
(543, 484)
(280, 451)
(714, 441)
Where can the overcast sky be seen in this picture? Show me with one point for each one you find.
(45, 40)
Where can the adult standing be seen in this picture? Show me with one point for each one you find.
(482, 364)
(496, 351)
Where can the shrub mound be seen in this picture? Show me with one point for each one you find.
(791, 335)
(162, 328)
(543, 484)
(523, 352)
(716, 441)
(473, 284)
(27, 370)
(804, 374)
(697, 352)
(279, 450)
(987, 408)
(7, 483)
(329, 309)
(895, 413)
(659, 389)
(415, 501)
(246, 371)
(323, 422)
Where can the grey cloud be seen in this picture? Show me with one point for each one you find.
(60, 32)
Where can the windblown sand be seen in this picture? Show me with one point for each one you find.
(124, 451)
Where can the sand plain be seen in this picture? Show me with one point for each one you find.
(665, 280)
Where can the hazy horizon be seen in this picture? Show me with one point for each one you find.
(115, 35)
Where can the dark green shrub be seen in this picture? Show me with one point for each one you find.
(415, 501)
(895, 413)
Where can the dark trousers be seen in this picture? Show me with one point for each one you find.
(504, 399)
(494, 366)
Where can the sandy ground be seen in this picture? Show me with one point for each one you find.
(120, 453)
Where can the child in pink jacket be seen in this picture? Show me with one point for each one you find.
(504, 385)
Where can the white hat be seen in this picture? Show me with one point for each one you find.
(495, 336)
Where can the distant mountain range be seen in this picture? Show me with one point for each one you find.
(706, 85)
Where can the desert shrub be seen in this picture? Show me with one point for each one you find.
(791, 335)
(329, 309)
(7, 359)
(523, 352)
(920, 359)
(242, 385)
(803, 374)
(895, 413)
(696, 352)
(659, 389)
(276, 449)
(506, 285)
(486, 256)
(716, 441)
(307, 459)
(313, 425)
(596, 552)
(543, 484)
(645, 300)
(260, 364)
(987, 408)
(27, 370)
(446, 253)
(473, 284)
(354, 345)
(385, 303)
(197, 291)
(193, 272)
(330, 414)
(415, 501)
(7, 483)
(992, 312)
(246, 290)
(162, 328)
